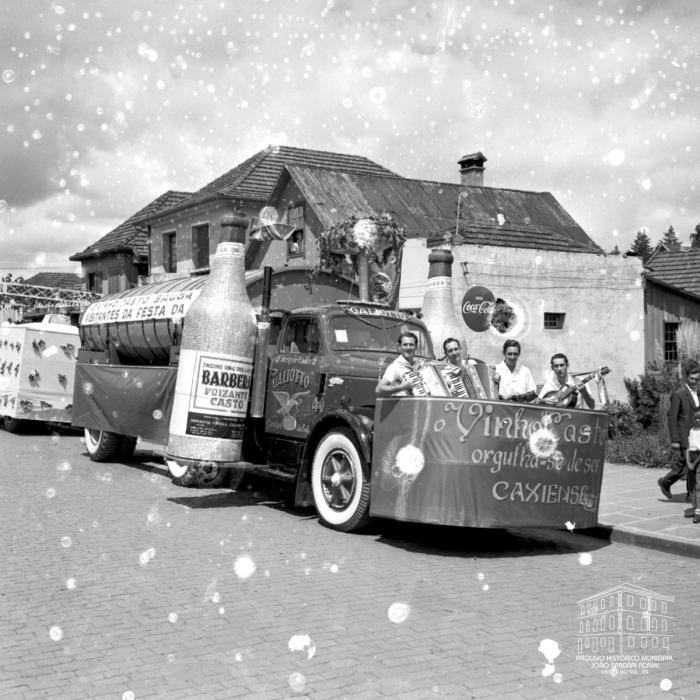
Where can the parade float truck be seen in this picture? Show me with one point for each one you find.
(37, 364)
(315, 421)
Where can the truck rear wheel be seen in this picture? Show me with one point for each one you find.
(102, 445)
(13, 425)
(340, 482)
(199, 476)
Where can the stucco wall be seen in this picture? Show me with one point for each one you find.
(182, 222)
(601, 296)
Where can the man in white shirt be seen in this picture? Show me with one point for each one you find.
(514, 383)
(394, 381)
(557, 384)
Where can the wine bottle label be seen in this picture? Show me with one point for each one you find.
(438, 283)
(230, 248)
(211, 395)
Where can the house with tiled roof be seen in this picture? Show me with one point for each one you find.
(562, 292)
(671, 298)
(60, 280)
(117, 260)
(184, 236)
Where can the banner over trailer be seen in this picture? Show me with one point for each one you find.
(486, 464)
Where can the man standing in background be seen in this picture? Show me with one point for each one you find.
(684, 401)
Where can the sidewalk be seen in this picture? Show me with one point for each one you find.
(633, 510)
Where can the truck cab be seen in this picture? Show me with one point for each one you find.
(321, 381)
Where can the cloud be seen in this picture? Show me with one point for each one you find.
(110, 104)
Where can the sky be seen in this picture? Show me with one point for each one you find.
(106, 105)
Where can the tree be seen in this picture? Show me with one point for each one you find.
(695, 237)
(641, 246)
(614, 251)
(670, 240)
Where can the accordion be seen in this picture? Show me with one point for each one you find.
(471, 381)
(426, 381)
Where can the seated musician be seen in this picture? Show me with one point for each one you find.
(460, 383)
(395, 380)
(555, 391)
(515, 383)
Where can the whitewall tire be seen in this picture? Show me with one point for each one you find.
(340, 482)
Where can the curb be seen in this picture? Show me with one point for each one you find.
(629, 535)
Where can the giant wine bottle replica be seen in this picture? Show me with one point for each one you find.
(216, 362)
(438, 307)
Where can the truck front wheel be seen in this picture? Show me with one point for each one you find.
(204, 476)
(340, 482)
(102, 445)
(13, 425)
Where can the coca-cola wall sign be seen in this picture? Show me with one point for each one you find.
(477, 307)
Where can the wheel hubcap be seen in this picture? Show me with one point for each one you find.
(338, 480)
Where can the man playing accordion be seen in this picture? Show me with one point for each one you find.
(397, 378)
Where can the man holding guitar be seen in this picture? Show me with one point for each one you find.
(563, 390)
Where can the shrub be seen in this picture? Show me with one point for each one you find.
(622, 420)
(646, 391)
(643, 449)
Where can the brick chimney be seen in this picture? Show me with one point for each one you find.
(471, 168)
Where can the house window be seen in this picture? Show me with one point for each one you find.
(553, 321)
(200, 246)
(670, 347)
(295, 242)
(92, 282)
(170, 252)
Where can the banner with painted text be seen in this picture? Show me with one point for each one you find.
(487, 463)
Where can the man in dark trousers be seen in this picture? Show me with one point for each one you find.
(684, 401)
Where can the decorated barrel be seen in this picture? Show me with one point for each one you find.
(140, 325)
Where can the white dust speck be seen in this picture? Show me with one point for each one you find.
(585, 558)
(569, 525)
(157, 414)
(297, 682)
(480, 576)
(153, 515)
(172, 617)
(557, 678)
(615, 157)
(399, 612)
(635, 335)
(238, 656)
(222, 610)
(377, 95)
(543, 442)
(8, 75)
(128, 695)
(334, 568)
(56, 633)
(666, 684)
(302, 642)
(548, 670)
(64, 466)
(66, 541)
(171, 658)
(409, 461)
(501, 219)
(146, 556)
(88, 388)
(244, 567)
(71, 584)
(485, 587)
(550, 649)
(50, 493)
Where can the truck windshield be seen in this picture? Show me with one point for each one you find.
(375, 334)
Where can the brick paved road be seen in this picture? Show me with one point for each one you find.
(118, 584)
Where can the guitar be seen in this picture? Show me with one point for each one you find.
(566, 396)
